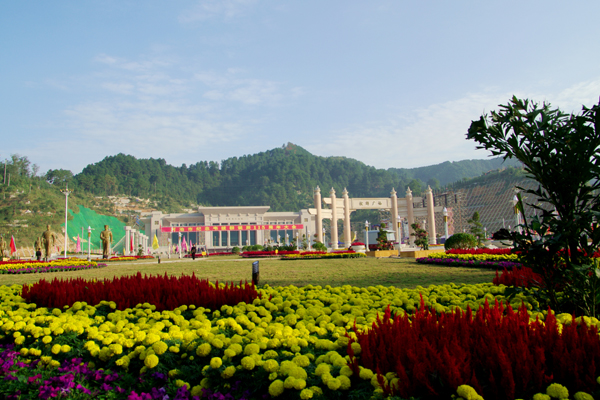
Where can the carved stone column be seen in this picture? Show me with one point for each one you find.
(334, 231)
(347, 227)
(319, 220)
(430, 216)
(411, 215)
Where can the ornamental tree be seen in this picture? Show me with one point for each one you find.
(560, 151)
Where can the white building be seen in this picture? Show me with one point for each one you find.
(220, 228)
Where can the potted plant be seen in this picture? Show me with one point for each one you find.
(358, 247)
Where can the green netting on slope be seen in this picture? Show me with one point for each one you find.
(87, 217)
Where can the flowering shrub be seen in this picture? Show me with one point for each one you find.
(523, 276)
(358, 244)
(502, 355)
(164, 292)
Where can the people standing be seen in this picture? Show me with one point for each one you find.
(193, 252)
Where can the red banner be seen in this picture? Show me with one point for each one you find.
(231, 228)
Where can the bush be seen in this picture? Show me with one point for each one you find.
(235, 250)
(461, 241)
(319, 246)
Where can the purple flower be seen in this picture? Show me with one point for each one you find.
(83, 389)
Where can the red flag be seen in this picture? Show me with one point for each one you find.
(131, 243)
(13, 246)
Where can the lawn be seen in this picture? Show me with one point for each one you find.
(398, 272)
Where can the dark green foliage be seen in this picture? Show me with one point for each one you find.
(319, 246)
(560, 152)
(461, 241)
(382, 241)
(476, 228)
(421, 236)
(283, 178)
(235, 250)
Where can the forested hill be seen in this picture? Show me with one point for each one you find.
(283, 178)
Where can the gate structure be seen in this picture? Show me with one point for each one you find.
(400, 208)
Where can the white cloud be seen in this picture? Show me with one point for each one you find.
(436, 133)
(206, 9)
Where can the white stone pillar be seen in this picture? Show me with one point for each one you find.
(394, 199)
(347, 227)
(334, 230)
(431, 216)
(319, 220)
(127, 244)
(411, 215)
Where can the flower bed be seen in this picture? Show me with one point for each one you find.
(27, 267)
(259, 254)
(476, 257)
(289, 343)
(128, 258)
(456, 262)
(501, 355)
(164, 292)
(318, 255)
(479, 251)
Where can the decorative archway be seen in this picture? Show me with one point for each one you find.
(399, 210)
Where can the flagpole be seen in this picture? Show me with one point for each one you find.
(66, 193)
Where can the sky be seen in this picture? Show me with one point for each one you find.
(389, 83)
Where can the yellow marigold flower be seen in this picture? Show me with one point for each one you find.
(151, 361)
(299, 384)
(334, 384)
(271, 366)
(541, 396)
(218, 343)
(273, 354)
(229, 353)
(306, 394)
(173, 373)
(216, 362)
(276, 388)
(65, 348)
(355, 348)
(248, 363)
(20, 340)
(316, 390)
(47, 339)
(24, 351)
(251, 348)
(468, 393)
(301, 361)
(56, 349)
(557, 391)
(203, 350)
(160, 347)
(123, 361)
(322, 369)
(196, 390)
(174, 349)
(345, 382)
(583, 396)
(365, 374)
(346, 371)
(180, 383)
(272, 376)
(289, 382)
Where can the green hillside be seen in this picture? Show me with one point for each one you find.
(283, 178)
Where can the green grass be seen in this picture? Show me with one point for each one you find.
(398, 272)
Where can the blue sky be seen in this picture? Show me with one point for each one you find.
(390, 83)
